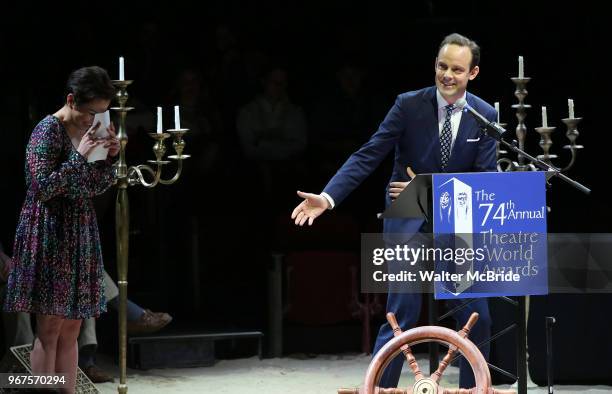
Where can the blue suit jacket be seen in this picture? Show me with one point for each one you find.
(411, 127)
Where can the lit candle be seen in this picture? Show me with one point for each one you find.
(544, 120)
(521, 68)
(121, 69)
(159, 120)
(177, 118)
(497, 110)
(570, 104)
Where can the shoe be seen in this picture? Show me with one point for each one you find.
(149, 322)
(97, 375)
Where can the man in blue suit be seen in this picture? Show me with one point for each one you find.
(429, 135)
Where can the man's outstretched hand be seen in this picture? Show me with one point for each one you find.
(311, 208)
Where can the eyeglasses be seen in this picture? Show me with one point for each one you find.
(87, 110)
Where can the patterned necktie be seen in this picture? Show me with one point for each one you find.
(446, 136)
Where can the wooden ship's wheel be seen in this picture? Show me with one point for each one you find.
(455, 340)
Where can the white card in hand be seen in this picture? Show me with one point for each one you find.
(100, 152)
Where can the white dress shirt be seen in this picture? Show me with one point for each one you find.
(455, 117)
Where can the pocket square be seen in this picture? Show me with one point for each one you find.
(473, 139)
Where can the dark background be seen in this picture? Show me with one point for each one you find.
(200, 249)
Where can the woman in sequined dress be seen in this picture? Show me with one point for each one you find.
(58, 272)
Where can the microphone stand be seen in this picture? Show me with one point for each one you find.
(550, 169)
(495, 131)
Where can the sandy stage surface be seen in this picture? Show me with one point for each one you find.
(289, 375)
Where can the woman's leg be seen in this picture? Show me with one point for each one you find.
(68, 353)
(42, 357)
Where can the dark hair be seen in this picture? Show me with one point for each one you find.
(458, 39)
(90, 83)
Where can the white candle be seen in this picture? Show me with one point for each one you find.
(121, 69)
(177, 118)
(570, 104)
(497, 110)
(159, 120)
(521, 68)
(544, 120)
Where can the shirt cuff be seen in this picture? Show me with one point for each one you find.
(329, 200)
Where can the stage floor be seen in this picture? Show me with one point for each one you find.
(289, 375)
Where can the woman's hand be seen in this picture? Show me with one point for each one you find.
(112, 143)
(88, 141)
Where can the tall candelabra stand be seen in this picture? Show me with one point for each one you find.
(129, 176)
(521, 164)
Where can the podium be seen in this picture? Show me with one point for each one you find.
(414, 201)
(500, 215)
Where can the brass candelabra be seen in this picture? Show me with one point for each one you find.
(129, 176)
(571, 123)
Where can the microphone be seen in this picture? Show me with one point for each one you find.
(493, 129)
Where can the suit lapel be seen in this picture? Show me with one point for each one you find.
(430, 120)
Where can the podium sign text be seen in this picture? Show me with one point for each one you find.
(490, 233)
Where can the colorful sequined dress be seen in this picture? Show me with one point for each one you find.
(57, 255)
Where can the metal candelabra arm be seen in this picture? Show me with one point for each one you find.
(136, 177)
(572, 134)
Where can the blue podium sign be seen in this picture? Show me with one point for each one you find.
(490, 234)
